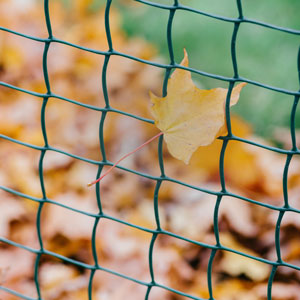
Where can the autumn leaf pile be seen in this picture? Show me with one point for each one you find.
(250, 171)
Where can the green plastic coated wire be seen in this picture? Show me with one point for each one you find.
(237, 23)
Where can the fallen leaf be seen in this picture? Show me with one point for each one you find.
(109, 287)
(64, 221)
(188, 116)
(11, 209)
(236, 264)
(191, 214)
(123, 249)
(234, 289)
(15, 264)
(58, 279)
(280, 291)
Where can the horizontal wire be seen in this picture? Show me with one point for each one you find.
(123, 276)
(177, 292)
(87, 266)
(161, 178)
(108, 163)
(15, 293)
(220, 18)
(12, 243)
(164, 66)
(229, 194)
(28, 145)
(101, 109)
(30, 37)
(270, 148)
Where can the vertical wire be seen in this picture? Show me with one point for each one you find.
(221, 166)
(277, 236)
(104, 81)
(292, 123)
(160, 157)
(150, 257)
(280, 215)
(294, 108)
(90, 284)
(227, 110)
(233, 49)
(234, 65)
(101, 145)
(270, 282)
(240, 9)
(46, 146)
(47, 17)
(160, 152)
(224, 146)
(216, 219)
(155, 200)
(278, 253)
(107, 25)
(285, 180)
(209, 273)
(285, 185)
(218, 244)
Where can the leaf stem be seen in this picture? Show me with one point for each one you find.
(123, 157)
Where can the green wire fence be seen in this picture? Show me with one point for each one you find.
(237, 22)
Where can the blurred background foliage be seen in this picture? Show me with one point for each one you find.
(264, 55)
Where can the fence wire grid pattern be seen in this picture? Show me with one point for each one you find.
(163, 177)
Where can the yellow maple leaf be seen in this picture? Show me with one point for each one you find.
(188, 116)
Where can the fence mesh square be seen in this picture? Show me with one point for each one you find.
(172, 9)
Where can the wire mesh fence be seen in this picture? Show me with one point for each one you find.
(172, 9)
